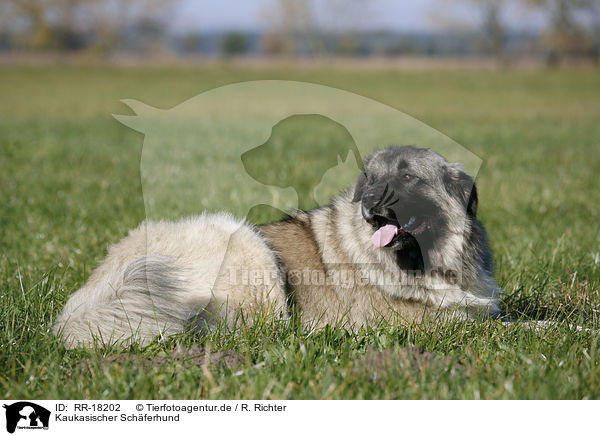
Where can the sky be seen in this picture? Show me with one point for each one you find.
(398, 15)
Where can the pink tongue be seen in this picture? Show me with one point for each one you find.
(384, 235)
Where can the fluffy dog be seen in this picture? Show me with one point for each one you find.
(403, 244)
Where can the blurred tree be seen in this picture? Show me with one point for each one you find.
(192, 43)
(493, 32)
(595, 22)
(291, 21)
(348, 44)
(568, 34)
(346, 19)
(403, 46)
(301, 25)
(76, 24)
(234, 43)
(342, 16)
(272, 44)
(493, 27)
(31, 14)
(149, 31)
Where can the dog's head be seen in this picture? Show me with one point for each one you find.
(413, 197)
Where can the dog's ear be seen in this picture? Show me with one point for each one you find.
(359, 188)
(462, 186)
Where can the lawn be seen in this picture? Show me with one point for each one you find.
(70, 183)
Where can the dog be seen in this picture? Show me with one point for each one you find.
(403, 245)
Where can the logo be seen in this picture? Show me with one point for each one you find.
(26, 415)
(261, 149)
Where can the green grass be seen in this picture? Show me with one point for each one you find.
(70, 184)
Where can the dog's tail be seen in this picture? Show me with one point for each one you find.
(149, 297)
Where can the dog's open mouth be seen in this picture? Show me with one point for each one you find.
(389, 232)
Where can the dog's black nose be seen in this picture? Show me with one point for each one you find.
(374, 206)
(368, 214)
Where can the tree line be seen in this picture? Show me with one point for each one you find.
(291, 28)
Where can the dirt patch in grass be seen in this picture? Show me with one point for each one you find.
(194, 355)
(382, 362)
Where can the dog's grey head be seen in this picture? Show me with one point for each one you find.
(413, 197)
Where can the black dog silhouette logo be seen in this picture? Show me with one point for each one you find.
(26, 415)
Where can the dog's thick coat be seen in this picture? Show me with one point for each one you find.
(165, 276)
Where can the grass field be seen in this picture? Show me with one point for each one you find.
(70, 184)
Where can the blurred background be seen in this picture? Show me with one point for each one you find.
(500, 31)
(515, 82)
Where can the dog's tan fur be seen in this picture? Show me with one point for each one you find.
(310, 248)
